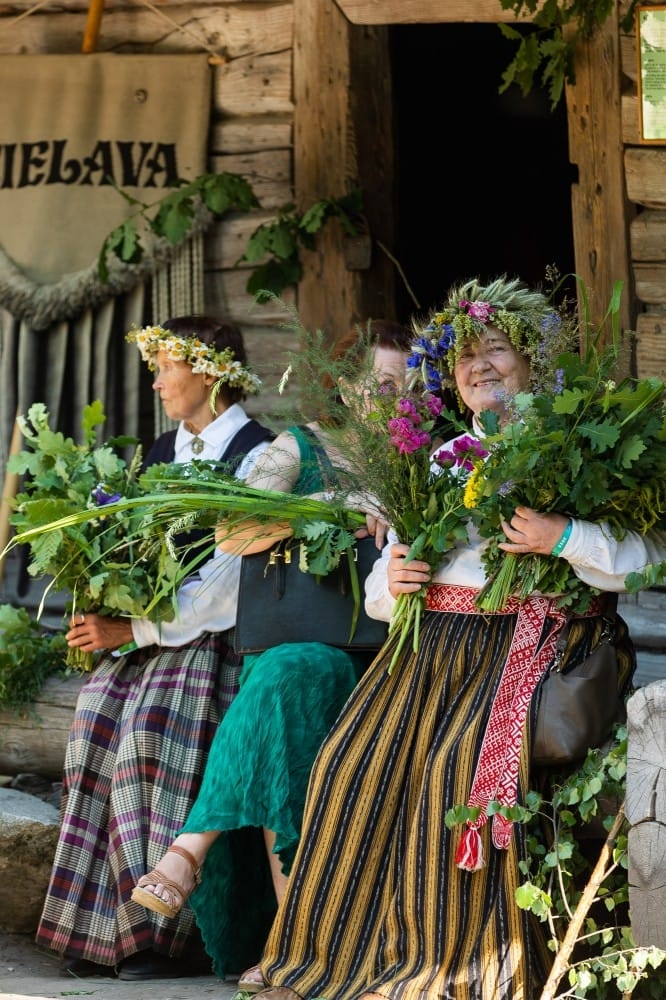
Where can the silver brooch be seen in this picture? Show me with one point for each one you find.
(197, 445)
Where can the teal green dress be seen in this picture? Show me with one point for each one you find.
(257, 773)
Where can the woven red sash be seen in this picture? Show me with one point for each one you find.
(496, 774)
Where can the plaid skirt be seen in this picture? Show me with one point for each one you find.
(136, 753)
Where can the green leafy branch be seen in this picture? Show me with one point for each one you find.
(174, 217)
(282, 238)
(29, 654)
(582, 896)
(550, 48)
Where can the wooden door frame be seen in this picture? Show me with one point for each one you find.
(340, 57)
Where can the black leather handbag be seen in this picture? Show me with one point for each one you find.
(278, 602)
(578, 708)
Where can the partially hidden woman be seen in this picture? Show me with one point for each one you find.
(144, 720)
(377, 906)
(253, 790)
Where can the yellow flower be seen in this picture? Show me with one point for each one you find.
(473, 487)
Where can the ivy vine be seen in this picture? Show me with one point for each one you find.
(273, 246)
(549, 50)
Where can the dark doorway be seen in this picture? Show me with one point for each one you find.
(483, 178)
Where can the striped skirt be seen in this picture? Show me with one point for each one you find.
(136, 752)
(375, 901)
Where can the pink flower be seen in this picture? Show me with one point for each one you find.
(434, 404)
(407, 407)
(477, 310)
(404, 436)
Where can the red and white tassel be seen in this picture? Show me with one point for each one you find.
(469, 854)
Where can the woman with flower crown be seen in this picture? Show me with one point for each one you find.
(254, 785)
(145, 719)
(385, 900)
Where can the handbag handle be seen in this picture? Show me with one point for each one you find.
(607, 635)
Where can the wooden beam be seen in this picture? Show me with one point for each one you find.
(321, 95)
(600, 209)
(427, 12)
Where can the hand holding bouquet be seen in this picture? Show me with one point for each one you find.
(106, 561)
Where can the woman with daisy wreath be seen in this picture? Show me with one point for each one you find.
(386, 900)
(250, 804)
(146, 717)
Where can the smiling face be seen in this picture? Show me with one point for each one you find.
(489, 370)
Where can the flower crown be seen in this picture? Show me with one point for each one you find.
(203, 358)
(533, 326)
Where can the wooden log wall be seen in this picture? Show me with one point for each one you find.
(251, 133)
(645, 179)
(34, 741)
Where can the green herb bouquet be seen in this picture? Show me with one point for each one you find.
(107, 561)
(589, 448)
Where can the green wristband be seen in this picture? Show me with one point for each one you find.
(564, 538)
(129, 647)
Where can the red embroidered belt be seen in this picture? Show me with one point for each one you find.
(460, 600)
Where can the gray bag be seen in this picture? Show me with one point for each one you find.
(577, 710)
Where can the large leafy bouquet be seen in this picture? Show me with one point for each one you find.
(108, 562)
(113, 537)
(593, 449)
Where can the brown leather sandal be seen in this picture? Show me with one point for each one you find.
(167, 907)
(252, 980)
(278, 993)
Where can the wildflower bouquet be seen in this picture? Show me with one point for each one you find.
(107, 561)
(588, 448)
(419, 493)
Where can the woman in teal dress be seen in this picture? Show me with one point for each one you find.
(232, 858)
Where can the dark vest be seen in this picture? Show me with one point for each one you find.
(248, 437)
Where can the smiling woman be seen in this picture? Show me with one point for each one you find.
(442, 737)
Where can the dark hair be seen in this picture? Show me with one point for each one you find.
(353, 348)
(219, 334)
(352, 351)
(355, 344)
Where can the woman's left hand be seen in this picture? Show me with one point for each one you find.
(529, 531)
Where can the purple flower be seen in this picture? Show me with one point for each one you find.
(559, 381)
(101, 496)
(461, 453)
(551, 326)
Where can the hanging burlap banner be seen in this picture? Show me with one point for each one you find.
(73, 128)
